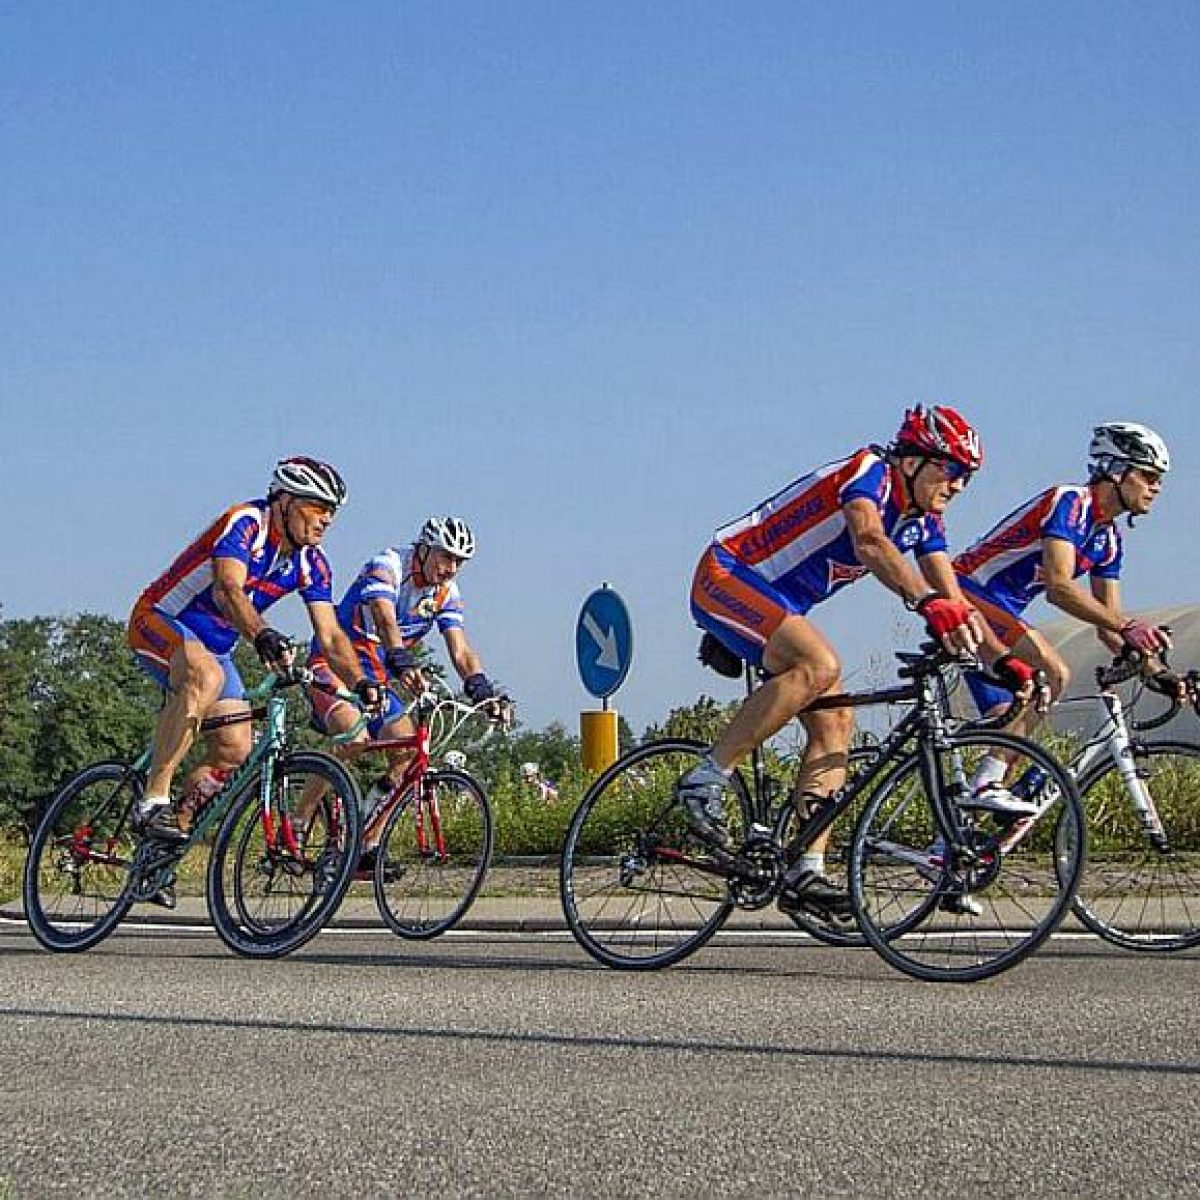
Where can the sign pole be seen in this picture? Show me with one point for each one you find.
(603, 650)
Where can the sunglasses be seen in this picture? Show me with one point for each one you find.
(953, 471)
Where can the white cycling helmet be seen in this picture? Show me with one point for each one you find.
(451, 534)
(1119, 445)
(456, 760)
(530, 770)
(308, 479)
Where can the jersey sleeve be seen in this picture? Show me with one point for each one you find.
(450, 612)
(869, 482)
(1108, 565)
(379, 582)
(1067, 519)
(316, 578)
(238, 540)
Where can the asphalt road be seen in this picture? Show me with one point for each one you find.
(492, 1065)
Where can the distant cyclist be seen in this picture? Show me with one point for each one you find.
(398, 598)
(186, 623)
(1044, 546)
(757, 582)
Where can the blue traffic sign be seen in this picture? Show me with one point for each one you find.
(603, 642)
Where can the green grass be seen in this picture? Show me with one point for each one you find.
(12, 861)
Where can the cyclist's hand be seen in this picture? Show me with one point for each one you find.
(1167, 683)
(954, 623)
(501, 711)
(404, 666)
(276, 650)
(478, 688)
(1026, 683)
(1144, 637)
(371, 695)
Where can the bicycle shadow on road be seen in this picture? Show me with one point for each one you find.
(571, 1041)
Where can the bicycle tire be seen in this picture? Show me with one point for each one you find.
(97, 894)
(295, 895)
(613, 876)
(1022, 896)
(1131, 893)
(422, 889)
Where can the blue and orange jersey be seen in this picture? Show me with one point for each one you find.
(389, 577)
(798, 539)
(1005, 565)
(245, 533)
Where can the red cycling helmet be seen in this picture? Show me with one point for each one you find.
(939, 432)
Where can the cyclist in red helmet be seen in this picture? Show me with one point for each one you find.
(185, 625)
(764, 572)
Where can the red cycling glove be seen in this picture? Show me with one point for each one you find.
(1145, 638)
(943, 616)
(1013, 672)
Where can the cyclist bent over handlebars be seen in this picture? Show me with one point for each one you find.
(185, 625)
(762, 575)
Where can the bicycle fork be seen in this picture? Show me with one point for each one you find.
(1120, 748)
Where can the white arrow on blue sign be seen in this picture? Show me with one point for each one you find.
(603, 642)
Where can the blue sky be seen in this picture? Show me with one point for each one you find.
(597, 277)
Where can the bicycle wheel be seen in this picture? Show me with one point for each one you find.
(76, 879)
(638, 890)
(1133, 893)
(433, 855)
(266, 897)
(975, 908)
(837, 856)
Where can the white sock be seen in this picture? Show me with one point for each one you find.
(147, 804)
(991, 770)
(812, 860)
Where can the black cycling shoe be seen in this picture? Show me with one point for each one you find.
(165, 897)
(161, 825)
(812, 893)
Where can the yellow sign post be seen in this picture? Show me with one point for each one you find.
(598, 733)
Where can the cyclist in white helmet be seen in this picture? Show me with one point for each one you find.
(399, 596)
(1042, 547)
(186, 623)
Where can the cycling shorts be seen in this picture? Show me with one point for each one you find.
(154, 637)
(322, 704)
(1006, 625)
(737, 605)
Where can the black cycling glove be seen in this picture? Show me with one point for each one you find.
(478, 688)
(271, 645)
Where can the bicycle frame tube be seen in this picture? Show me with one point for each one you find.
(414, 774)
(1114, 742)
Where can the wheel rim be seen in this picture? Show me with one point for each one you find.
(917, 907)
(77, 874)
(634, 888)
(433, 856)
(1131, 892)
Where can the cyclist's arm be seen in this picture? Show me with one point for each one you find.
(383, 614)
(1108, 593)
(1058, 569)
(229, 595)
(876, 551)
(334, 643)
(462, 653)
(938, 569)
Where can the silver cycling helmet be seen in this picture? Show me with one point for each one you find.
(308, 479)
(1119, 445)
(451, 534)
(456, 760)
